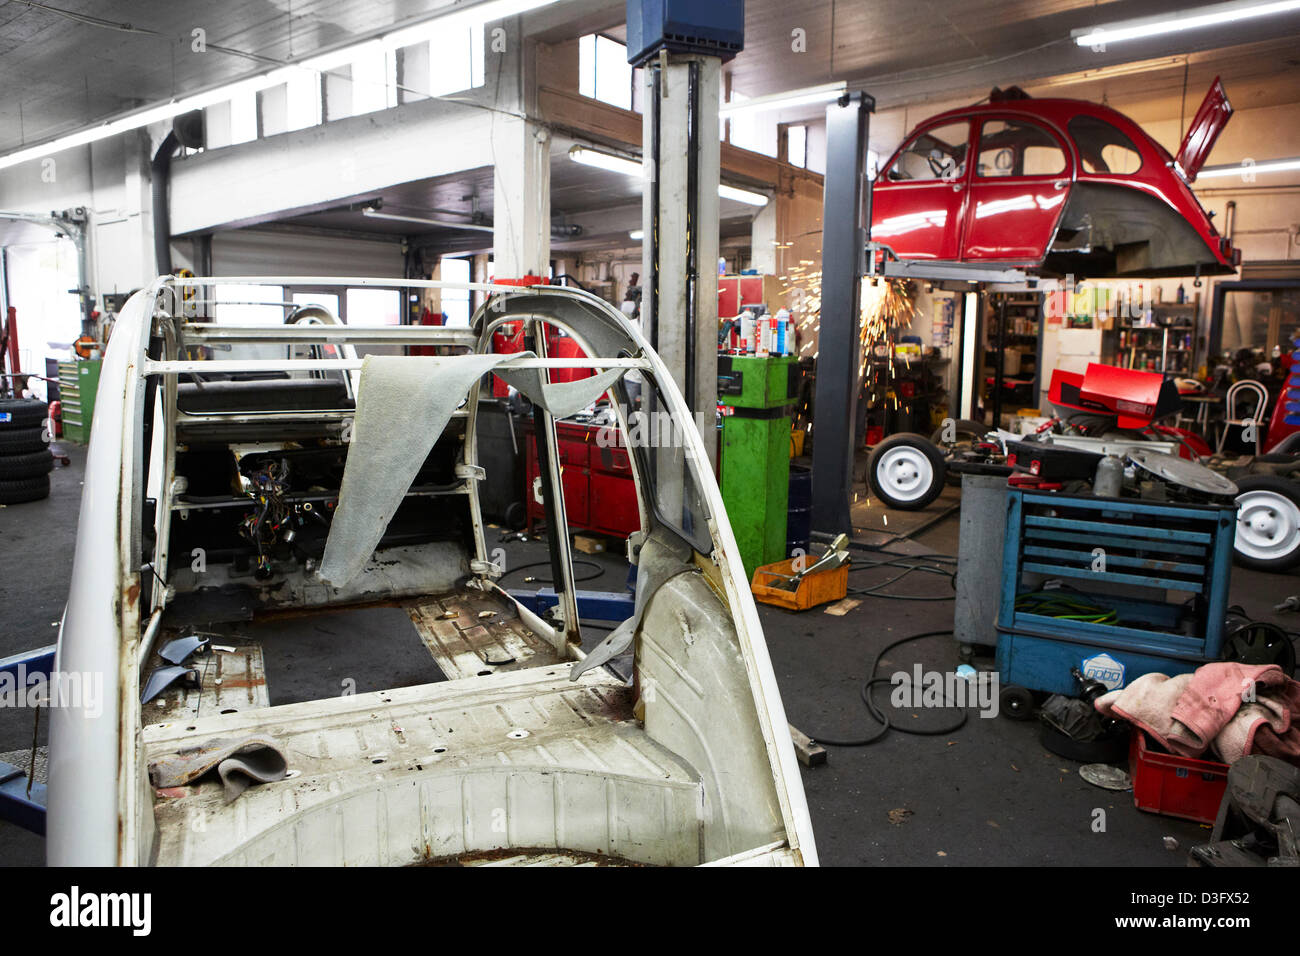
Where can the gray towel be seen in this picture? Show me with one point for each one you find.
(239, 763)
(403, 404)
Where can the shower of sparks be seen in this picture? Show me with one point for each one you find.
(886, 306)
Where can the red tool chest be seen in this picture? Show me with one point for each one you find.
(599, 491)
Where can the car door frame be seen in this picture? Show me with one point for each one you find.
(1054, 187)
(912, 189)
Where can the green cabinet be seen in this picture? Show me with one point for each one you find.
(755, 456)
(78, 383)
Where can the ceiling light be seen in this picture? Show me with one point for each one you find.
(778, 101)
(631, 167)
(461, 18)
(1250, 169)
(742, 195)
(637, 234)
(606, 161)
(1194, 19)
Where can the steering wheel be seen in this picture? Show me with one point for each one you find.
(939, 164)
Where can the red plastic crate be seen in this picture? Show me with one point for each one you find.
(1175, 786)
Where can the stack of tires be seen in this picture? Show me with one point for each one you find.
(25, 459)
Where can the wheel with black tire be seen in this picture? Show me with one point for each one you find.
(906, 471)
(963, 431)
(32, 464)
(1016, 702)
(1268, 523)
(1259, 642)
(22, 412)
(516, 516)
(22, 441)
(24, 489)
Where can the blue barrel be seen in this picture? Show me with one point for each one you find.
(798, 524)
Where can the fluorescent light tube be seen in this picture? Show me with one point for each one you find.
(1194, 19)
(606, 161)
(631, 167)
(742, 195)
(779, 101)
(1249, 169)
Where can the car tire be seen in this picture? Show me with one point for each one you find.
(22, 413)
(1268, 523)
(29, 465)
(965, 429)
(906, 471)
(22, 441)
(24, 489)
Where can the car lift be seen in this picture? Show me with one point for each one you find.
(848, 256)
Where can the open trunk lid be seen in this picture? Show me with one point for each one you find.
(1205, 129)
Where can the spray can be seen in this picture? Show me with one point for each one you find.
(783, 332)
(746, 332)
(763, 336)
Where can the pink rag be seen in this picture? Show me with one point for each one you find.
(1236, 708)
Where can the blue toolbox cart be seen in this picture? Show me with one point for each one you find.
(1144, 588)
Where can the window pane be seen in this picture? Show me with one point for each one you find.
(1103, 148)
(326, 300)
(937, 153)
(455, 61)
(587, 66)
(243, 118)
(613, 73)
(240, 304)
(455, 302)
(374, 307)
(303, 106)
(603, 71)
(797, 145)
(374, 81)
(1017, 148)
(753, 131)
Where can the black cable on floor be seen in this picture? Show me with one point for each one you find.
(576, 580)
(875, 590)
(880, 715)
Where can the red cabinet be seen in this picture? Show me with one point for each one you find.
(599, 491)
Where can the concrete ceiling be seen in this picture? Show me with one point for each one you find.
(58, 71)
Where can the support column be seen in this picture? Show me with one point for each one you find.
(846, 225)
(521, 149)
(682, 160)
(521, 198)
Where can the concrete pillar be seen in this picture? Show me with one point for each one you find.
(521, 150)
(521, 198)
(680, 219)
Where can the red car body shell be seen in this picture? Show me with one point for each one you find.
(1015, 219)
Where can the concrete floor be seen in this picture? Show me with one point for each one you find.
(987, 793)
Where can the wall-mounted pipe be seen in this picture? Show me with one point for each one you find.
(187, 130)
(160, 175)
